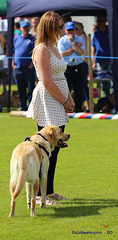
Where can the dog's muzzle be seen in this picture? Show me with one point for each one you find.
(61, 143)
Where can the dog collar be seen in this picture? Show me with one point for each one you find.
(42, 136)
(28, 138)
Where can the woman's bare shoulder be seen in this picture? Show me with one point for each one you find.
(41, 51)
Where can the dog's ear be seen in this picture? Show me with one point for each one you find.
(52, 135)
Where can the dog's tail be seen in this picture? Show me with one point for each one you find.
(20, 184)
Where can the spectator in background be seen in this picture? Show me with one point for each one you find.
(1, 50)
(3, 43)
(3, 35)
(79, 30)
(34, 25)
(33, 32)
(101, 48)
(71, 48)
(17, 30)
(95, 27)
(1, 47)
(66, 18)
(23, 69)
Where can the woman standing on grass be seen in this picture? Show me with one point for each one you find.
(51, 97)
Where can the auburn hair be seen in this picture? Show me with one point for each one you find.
(48, 29)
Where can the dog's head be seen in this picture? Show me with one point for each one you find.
(55, 136)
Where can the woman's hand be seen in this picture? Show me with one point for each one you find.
(69, 106)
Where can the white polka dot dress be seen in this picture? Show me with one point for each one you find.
(44, 108)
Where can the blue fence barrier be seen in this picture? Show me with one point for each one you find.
(105, 57)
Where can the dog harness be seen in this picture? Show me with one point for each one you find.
(39, 145)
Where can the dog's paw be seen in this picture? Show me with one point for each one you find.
(43, 205)
(11, 215)
(32, 215)
(29, 205)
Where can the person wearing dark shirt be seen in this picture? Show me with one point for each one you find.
(101, 48)
(24, 73)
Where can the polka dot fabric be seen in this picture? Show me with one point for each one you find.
(44, 108)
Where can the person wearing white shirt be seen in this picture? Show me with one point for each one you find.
(71, 48)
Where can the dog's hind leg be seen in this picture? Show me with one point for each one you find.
(43, 181)
(12, 188)
(43, 184)
(33, 200)
(28, 194)
(12, 212)
(15, 191)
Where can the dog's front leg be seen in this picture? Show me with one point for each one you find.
(33, 200)
(28, 194)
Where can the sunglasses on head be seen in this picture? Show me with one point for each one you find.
(61, 27)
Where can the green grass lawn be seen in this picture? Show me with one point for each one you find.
(86, 173)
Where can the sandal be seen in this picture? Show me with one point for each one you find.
(38, 200)
(49, 201)
(56, 196)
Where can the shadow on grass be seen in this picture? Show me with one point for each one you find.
(82, 207)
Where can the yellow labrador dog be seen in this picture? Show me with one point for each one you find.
(30, 157)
